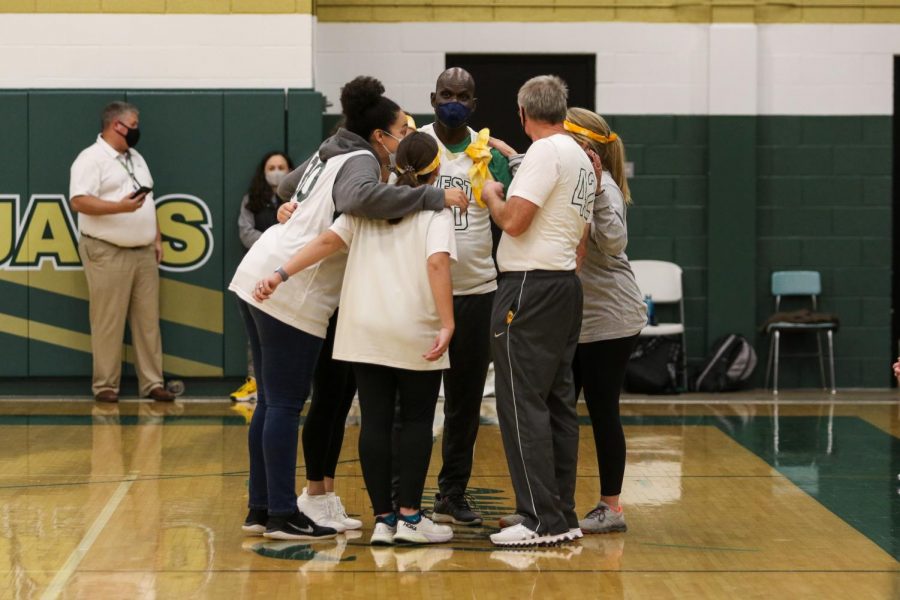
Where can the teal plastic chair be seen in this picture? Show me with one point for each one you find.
(799, 283)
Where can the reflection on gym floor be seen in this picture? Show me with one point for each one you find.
(142, 500)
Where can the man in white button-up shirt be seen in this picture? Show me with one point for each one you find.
(111, 189)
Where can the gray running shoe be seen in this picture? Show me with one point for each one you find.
(603, 519)
(511, 520)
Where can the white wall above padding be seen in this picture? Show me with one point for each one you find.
(156, 51)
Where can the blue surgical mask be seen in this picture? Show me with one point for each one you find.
(453, 114)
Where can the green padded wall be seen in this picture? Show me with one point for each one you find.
(14, 178)
(254, 125)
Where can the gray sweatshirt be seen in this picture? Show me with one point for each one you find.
(357, 187)
(613, 305)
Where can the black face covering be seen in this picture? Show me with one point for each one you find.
(133, 135)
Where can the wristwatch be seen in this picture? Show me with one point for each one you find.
(282, 273)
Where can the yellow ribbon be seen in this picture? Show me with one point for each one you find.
(480, 153)
(434, 165)
(603, 139)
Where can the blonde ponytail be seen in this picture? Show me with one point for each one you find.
(598, 137)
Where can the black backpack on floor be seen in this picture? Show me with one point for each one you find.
(730, 363)
(653, 366)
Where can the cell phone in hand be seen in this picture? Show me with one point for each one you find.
(141, 190)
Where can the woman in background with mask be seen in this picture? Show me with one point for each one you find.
(259, 208)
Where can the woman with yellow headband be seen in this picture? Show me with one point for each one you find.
(614, 314)
(394, 326)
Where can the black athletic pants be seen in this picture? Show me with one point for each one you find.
(470, 356)
(599, 368)
(380, 389)
(536, 320)
(323, 430)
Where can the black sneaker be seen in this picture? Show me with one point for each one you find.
(297, 527)
(454, 509)
(255, 523)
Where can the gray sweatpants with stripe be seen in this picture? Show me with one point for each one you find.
(533, 355)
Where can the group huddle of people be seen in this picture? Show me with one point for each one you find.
(381, 277)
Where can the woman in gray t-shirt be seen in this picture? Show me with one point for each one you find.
(614, 313)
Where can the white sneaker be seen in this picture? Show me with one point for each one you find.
(519, 535)
(425, 531)
(382, 535)
(338, 513)
(318, 508)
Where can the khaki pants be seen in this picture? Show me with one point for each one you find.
(123, 283)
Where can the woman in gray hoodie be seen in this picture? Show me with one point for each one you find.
(614, 313)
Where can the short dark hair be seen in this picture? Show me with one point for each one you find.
(365, 107)
(114, 110)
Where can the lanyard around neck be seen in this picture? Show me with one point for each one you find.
(129, 168)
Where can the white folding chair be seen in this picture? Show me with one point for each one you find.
(662, 282)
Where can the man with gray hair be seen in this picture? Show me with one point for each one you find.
(120, 246)
(536, 317)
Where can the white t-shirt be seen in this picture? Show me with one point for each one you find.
(474, 273)
(558, 177)
(101, 171)
(307, 300)
(388, 315)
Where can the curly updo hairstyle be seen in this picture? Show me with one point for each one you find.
(365, 107)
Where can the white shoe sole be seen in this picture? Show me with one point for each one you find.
(575, 533)
(422, 538)
(444, 518)
(253, 529)
(543, 540)
(351, 524)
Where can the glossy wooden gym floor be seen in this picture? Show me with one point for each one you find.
(736, 500)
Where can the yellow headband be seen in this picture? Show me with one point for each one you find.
(434, 165)
(603, 139)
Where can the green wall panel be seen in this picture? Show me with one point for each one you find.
(13, 183)
(254, 124)
(824, 203)
(304, 123)
(182, 140)
(60, 125)
(668, 220)
(731, 218)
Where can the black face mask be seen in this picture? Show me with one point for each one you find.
(133, 135)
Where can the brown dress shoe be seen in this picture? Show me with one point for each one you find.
(107, 396)
(161, 394)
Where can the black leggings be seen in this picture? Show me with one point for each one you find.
(380, 389)
(600, 368)
(323, 430)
